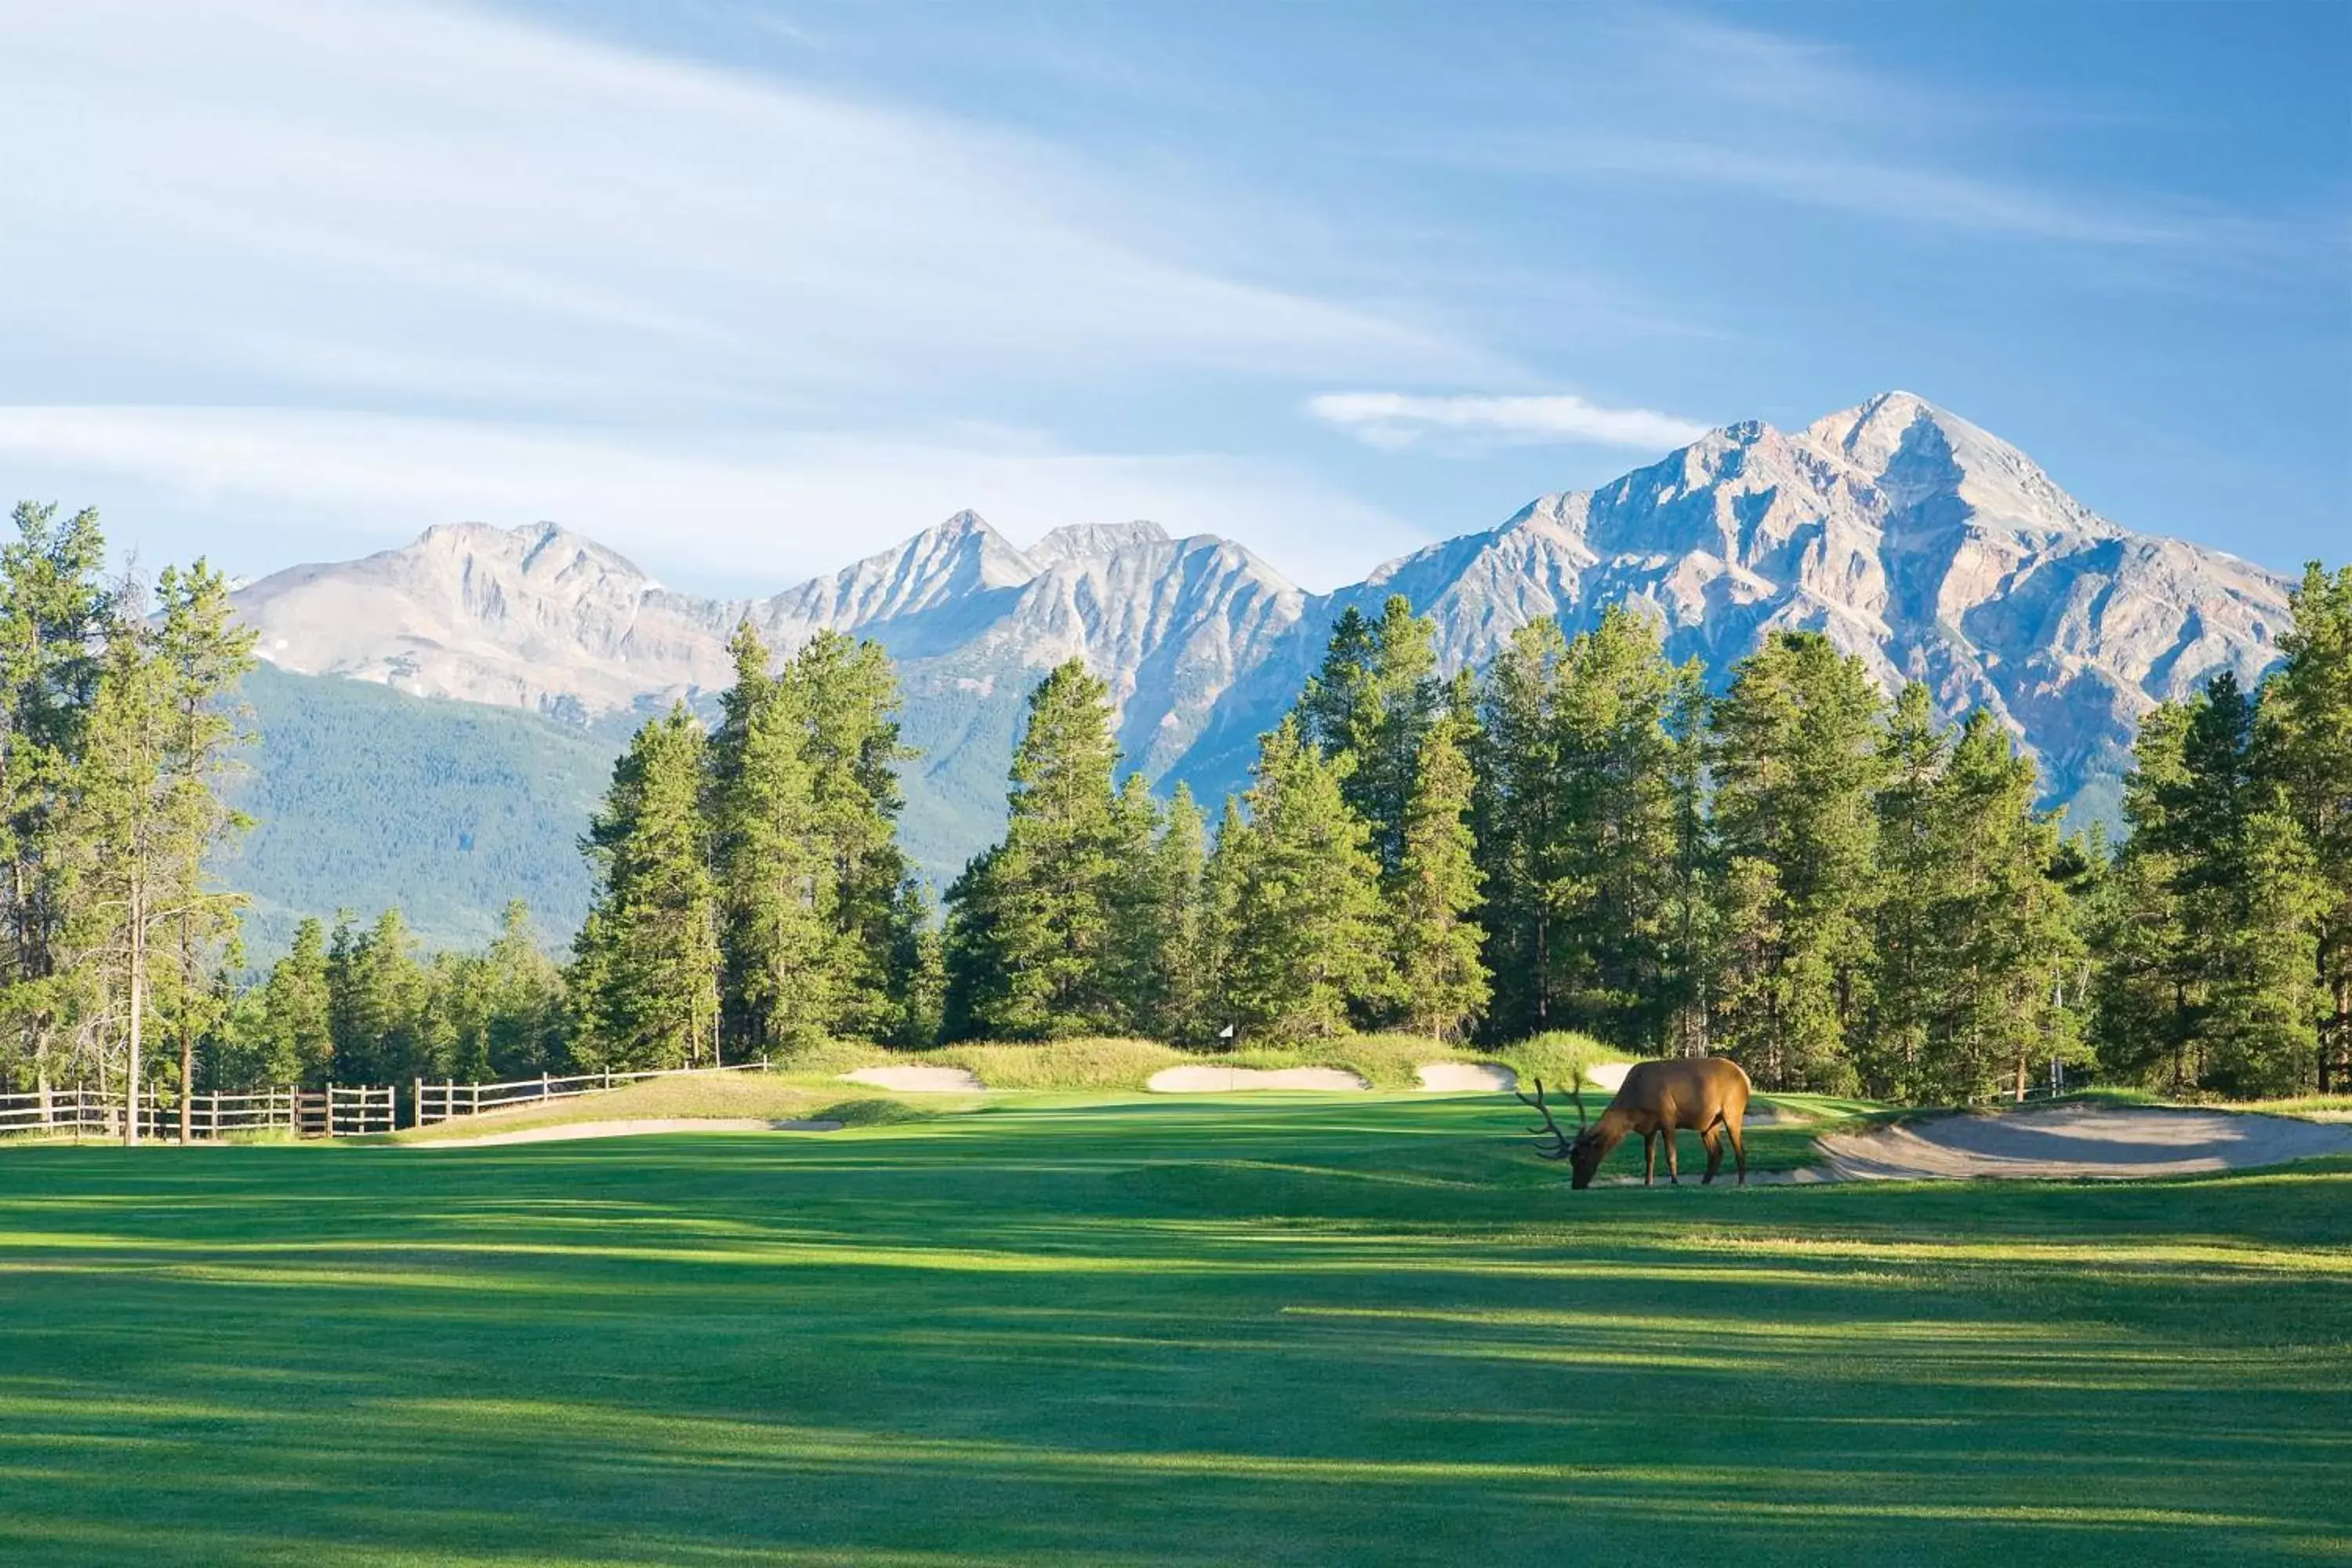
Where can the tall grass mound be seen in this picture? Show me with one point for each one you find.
(1386, 1062)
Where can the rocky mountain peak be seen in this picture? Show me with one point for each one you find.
(1928, 547)
(1092, 541)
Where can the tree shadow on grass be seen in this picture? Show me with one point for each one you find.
(1294, 1335)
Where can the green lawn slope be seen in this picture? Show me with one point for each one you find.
(1064, 1328)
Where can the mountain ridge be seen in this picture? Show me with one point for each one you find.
(1913, 538)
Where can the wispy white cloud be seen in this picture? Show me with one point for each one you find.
(737, 516)
(410, 184)
(1909, 192)
(1402, 419)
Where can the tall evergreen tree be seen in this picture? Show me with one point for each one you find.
(771, 862)
(848, 695)
(918, 970)
(1373, 700)
(522, 1001)
(1440, 974)
(1182, 980)
(645, 984)
(379, 997)
(1517, 811)
(1307, 938)
(1796, 764)
(2147, 994)
(54, 611)
(2003, 936)
(2304, 749)
(1029, 939)
(2251, 896)
(203, 653)
(1223, 876)
(1135, 939)
(292, 1041)
(1914, 846)
(1618, 913)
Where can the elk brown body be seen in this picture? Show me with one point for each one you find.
(1705, 1095)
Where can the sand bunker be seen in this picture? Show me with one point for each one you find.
(1227, 1080)
(1467, 1077)
(2074, 1140)
(915, 1081)
(564, 1132)
(1610, 1076)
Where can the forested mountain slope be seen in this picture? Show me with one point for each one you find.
(365, 798)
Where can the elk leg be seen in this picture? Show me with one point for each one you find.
(1713, 1139)
(1649, 1157)
(1738, 1148)
(1673, 1167)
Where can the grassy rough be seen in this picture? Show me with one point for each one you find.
(1359, 1330)
(1385, 1061)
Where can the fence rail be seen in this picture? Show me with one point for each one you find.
(337, 1111)
(444, 1100)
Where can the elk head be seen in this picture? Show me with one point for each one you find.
(1583, 1153)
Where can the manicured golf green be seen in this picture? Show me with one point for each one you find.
(1235, 1333)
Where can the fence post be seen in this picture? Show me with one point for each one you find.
(417, 1106)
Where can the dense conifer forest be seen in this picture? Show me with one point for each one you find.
(1797, 872)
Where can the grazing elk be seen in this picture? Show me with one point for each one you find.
(1707, 1095)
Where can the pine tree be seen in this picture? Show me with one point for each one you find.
(522, 1000)
(1516, 813)
(644, 986)
(918, 970)
(54, 611)
(203, 653)
(1184, 977)
(1913, 847)
(1796, 766)
(2148, 994)
(2211, 921)
(2003, 931)
(2251, 896)
(771, 862)
(1440, 974)
(849, 696)
(1030, 929)
(293, 1039)
(1135, 940)
(379, 997)
(127, 833)
(1373, 700)
(2304, 749)
(1307, 937)
(1617, 915)
(1222, 877)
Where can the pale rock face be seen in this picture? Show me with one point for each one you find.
(1910, 537)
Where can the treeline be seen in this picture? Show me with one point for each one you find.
(115, 726)
(1794, 870)
(1798, 872)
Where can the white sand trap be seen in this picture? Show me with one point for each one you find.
(915, 1081)
(2074, 1140)
(565, 1132)
(1229, 1081)
(1610, 1076)
(1467, 1077)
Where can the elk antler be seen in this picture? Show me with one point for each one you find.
(1560, 1140)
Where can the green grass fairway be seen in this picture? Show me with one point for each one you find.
(1242, 1332)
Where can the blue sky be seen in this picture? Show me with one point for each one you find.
(749, 288)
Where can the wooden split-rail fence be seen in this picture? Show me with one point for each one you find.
(337, 1111)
